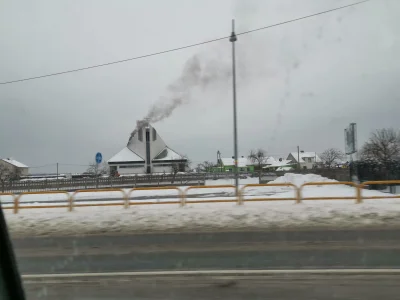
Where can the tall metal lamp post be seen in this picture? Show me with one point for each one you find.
(233, 39)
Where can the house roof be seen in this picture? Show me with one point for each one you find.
(270, 161)
(15, 163)
(287, 168)
(125, 155)
(304, 155)
(242, 161)
(168, 154)
(279, 164)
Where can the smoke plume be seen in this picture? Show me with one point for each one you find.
(199, 72)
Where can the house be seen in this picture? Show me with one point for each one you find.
(146, 153)
(13, 167)
(279, 165)
(307, 159)
(227, 164)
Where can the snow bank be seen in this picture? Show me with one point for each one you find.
(299, 179)
(231, 181)
(216, 216)
(205, 216)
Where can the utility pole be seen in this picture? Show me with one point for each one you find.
(58, 187)
(97, 177)
(315, 159)
(298, 157)
(233, 39)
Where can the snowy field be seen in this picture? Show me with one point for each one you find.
(209, 216)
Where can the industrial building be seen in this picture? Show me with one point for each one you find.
(146, 153)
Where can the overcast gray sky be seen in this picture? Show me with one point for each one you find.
(298, 84)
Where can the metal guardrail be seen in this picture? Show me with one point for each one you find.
(182, 195)
(7, 194)
(17, 206)
(72, 205)
(356, 197)
(128, 202)
(296, 189)
(366, 183)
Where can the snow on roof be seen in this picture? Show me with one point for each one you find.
(270, 160)
(277, 163)
(287, 168)
(242, 161)
(168, 154)
(305, 155)
(15, 163)
(125, 155)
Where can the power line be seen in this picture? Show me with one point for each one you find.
(77, 165)
(302, 18)
(184, 47)
(48, 165)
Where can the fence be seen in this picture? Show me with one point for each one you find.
(296, 189)
(96, 183)
(356, 197)
(151, 180)
(182, 195)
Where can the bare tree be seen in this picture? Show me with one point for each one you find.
(383, 145)
(179, 166)
(102, 168)
(8, 174)
(259, 159)
(331, 156)
(205, 166)
(199, 168)
(4, 173)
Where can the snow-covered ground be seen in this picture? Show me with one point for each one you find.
(208, 216)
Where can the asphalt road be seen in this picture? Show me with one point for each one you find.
(256, 250)
(213, 250)
(301, 287)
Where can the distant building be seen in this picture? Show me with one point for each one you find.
(307, 159)
(279, 165)
(146, 153)
(228, 165)
(14, 167)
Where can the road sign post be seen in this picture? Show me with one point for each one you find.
(99, 158)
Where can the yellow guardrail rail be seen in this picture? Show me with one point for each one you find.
(152, 189)
(7, 194)
(182, 195)
(366, 183)
(71, 198)
(18, 197)
(356, 197)
(241, 194)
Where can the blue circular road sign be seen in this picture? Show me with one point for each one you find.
(99, 157)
